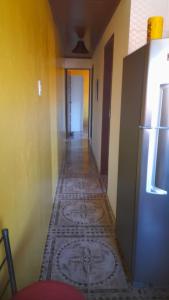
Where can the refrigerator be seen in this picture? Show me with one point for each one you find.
(142, 216)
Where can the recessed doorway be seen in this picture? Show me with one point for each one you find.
(77, 101)
(106, 111)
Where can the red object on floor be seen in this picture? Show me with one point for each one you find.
(49, 290)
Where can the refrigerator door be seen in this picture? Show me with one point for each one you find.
(133, 76)
(151, 253)
(151, 259)
(159, 146)
(142, 219)
(156, 75)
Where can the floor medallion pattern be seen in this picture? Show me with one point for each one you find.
(81, 244)
(80, 260)
(82, 213)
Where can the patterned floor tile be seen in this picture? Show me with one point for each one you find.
(75, 197)
(85, 262)
(127, 294)
(81, 185)
(80, 170)
(83, 212)
(81, 245)
(81, 231)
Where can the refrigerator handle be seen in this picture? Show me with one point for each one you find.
(151, 187)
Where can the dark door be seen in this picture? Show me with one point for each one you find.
(106, 111)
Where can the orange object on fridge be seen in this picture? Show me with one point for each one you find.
(155, 28)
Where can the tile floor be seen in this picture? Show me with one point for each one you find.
(81, 246)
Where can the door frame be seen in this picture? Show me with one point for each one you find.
(67, 125)
(90, 121)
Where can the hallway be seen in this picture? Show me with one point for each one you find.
(40, 41)
(81, 245)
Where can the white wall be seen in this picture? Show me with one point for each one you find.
(141, 10)
(77, 63)
(77, 103)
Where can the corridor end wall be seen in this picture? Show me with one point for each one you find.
(85, 75)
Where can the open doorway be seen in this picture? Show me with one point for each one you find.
(77, 102)
(106, 112)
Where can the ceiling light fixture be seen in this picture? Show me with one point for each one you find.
(80, 48)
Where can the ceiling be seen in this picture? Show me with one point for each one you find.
(93, 15)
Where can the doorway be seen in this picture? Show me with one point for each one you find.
(77, 101)
(91, 104)
(106, 110)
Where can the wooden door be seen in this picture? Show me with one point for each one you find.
(106, 110)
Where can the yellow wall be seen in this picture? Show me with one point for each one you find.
(31, 128)
(85, 75)
(119, 26)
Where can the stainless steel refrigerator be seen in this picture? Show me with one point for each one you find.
(142, 223)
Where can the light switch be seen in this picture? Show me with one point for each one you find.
(39, 88)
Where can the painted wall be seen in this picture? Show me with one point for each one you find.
(85, 75)
(31, 128)
(129, 26)
(77, 63)
(119, 26)
(140, 12)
